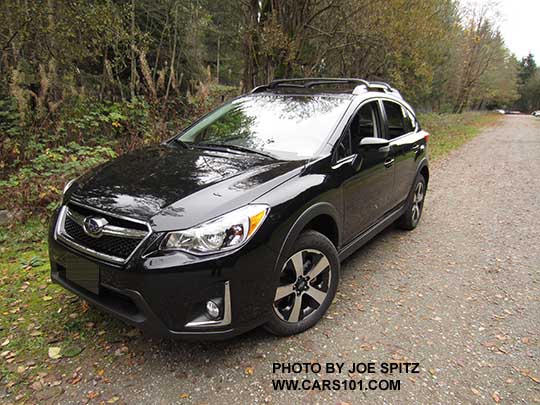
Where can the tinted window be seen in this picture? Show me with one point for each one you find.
(409, 121)
(394, 116)
(364, 124)
(344, 148)
(288, 127)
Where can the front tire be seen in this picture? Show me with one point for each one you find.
(415, 204)
(307, 285)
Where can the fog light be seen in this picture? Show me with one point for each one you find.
(212, 310)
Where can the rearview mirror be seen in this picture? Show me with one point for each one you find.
(373, 142)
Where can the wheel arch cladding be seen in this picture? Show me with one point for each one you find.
(326, 225)
(321, 217)
(424, 171)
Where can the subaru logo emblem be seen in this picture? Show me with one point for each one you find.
(93, 226)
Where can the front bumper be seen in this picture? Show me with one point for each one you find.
(164, 295)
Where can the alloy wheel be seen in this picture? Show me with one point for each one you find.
(418, 199)
(304, 285)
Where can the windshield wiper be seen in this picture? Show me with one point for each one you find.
(181, 143)
(235, 148)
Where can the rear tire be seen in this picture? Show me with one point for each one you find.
(308, 283)
(414, 206)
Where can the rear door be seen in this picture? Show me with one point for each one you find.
(366, 181)
(405, 142)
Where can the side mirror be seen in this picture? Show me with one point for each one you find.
(374, 143)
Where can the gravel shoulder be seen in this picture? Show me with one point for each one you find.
(460, 295)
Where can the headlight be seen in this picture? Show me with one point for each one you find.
(67, 186)
(224, 233)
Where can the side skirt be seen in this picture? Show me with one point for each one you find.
(365, 237)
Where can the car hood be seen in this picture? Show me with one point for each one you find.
(175, 188)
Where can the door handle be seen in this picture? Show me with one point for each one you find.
(416, 147)
(389, 162)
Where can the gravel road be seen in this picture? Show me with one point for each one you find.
(460, 295)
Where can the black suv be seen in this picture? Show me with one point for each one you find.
(243, 219)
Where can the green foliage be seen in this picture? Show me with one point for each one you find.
(9, 117)
(104, 121)
(529, 85)
(528, 68)
(40, 183)
(10, 129)
(450, 131)
(34, 261)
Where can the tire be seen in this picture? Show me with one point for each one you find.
(414, 206)
(304, 295)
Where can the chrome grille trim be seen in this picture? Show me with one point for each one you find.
(110, 230)
(61, 235)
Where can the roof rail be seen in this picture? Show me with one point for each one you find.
(362, 86)
(377, 86)
(307, 83)
(382, 85)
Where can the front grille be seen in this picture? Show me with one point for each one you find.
(84, 211)
(110, 245)
(114, 247)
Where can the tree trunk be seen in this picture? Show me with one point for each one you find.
(217, 61)
(133, 61)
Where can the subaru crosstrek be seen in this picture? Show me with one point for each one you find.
(243, 218)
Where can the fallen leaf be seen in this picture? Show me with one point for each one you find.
(524, 372)
(72, 351)
(496, 397)
(54, 353)
(36, 386)
(47, 298)
(475, 391)
(101, 372)
(5, 343)
(184, 395)
(113, 400)
(249, 370)
(92, 395)
(535, 379)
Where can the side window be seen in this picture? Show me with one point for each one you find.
(344, 147)
(395, 118)
(364, 124)
(410, 121)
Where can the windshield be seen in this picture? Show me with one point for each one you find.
(287, 127)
